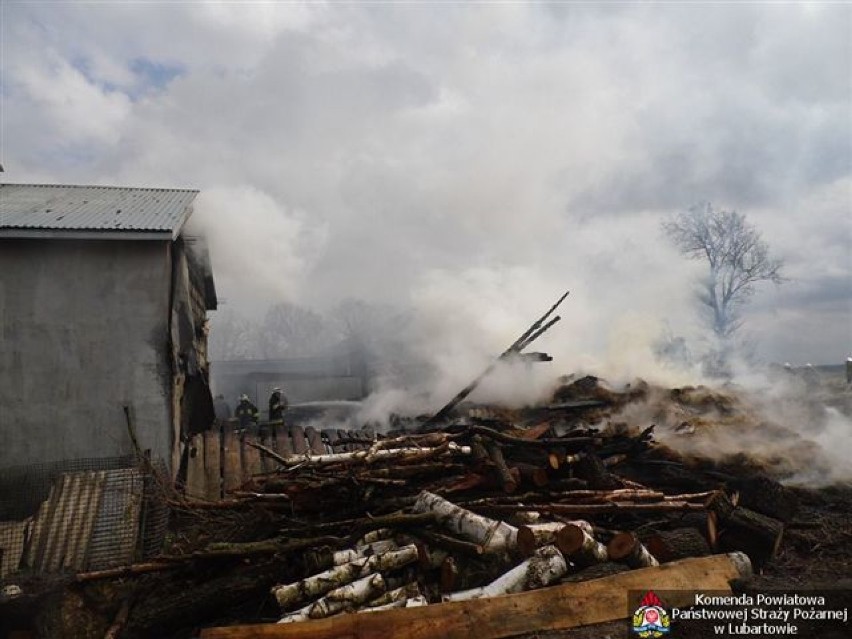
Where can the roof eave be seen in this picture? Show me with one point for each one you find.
(65, 234)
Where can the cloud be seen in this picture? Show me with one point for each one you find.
(497, 153)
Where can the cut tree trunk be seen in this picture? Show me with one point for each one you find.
(578, 544)
(289, 595)
(495, 453)
(626, 548)
(493, 536)
(742, 529)
(534, 475)
(351, 554)
(395, 598)
(413, 602)
(681, 543)
(768, 497)
(545, 567)
(346, 597)
(323, 558)
(534, 536)
(379, 534)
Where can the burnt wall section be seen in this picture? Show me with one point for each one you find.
(192, 401)
(84, 331)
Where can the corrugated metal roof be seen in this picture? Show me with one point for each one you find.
(112, 211)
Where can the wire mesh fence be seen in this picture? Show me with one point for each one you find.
(79, 515)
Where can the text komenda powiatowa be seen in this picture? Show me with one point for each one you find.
(761, 614)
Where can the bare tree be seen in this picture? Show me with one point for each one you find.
(289, 330)
(736, 256)
(232, 336)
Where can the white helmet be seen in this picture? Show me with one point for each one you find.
(243, 397)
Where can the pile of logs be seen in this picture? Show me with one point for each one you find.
(487, 505)
(481, 508)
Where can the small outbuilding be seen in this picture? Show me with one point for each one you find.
(103, 323)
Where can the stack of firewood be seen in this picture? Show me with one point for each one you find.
(482, 509)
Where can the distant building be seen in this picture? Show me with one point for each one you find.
(339, 374)
(103, 304)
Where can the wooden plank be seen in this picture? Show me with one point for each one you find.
(555, 608)
(251, 459)
(213, 465)
(266, 464)
(196, 477)
(315, 441)
(232, 468)
(297, 436)
(332, 436)
(283, 444)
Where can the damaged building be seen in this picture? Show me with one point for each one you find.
(103, 302)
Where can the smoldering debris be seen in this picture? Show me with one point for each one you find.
(485, 502)
(315, 525)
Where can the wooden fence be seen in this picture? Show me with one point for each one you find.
(222, 461)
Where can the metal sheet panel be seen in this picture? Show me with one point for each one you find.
(89, 521)
(115, 535)
(112, 210)
(12, 537)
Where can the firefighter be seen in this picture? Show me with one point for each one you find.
(277, 405)
(246, 412)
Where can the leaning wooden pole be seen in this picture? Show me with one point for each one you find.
(527, 338)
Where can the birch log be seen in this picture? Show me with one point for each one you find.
(545, 567)
(322, 558)
(492, 535)
(379, 534)
(344, 598)
(626, 548)
(368, 456)
(578, 544)
(289, 595)
(351, 554)
(395, 598)
(534, 536)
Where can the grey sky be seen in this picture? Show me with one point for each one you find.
(468, 161)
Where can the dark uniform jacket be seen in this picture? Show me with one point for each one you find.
(277, 406)
(246, 412)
